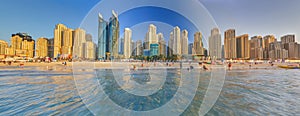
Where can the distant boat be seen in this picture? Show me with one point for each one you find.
(289, 67)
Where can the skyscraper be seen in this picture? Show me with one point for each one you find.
(67, 43)
(289, 44)
(113, 36)
(230, 44)
(242, 46)
(133, 48)
(58, 39)
(162, 44)
(198, 44)
(215, 50)
(256, 47)
(21, 45)
(51, 48)
(102, 38)
(79, 39)
(41, 47)
(121, 46)
(266, 43)
(184, 43)
(16, 44)
(139, 47)
(177, 40)
(287, 39)
(171, 44)
(276, 51)
(3, 46)
(151, 37)
(127, 43)
(152, 34)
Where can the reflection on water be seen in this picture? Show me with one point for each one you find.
(32, 91)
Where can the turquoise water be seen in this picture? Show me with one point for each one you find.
(32, 91)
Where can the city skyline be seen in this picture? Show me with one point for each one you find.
(239, 20)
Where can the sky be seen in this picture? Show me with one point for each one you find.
(254, 17)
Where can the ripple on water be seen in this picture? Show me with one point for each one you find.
(28, 91)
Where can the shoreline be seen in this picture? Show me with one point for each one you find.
(141, 65)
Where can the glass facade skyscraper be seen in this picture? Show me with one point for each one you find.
(113, 36)
(102, 38)
(108, 37)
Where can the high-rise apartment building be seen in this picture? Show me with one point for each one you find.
(215, 50)
(230, 44)
(290, 44)
(121, 46)
(242, 46)
(276, 51)
(41, 47)
(79, 38)
(184, 43)
(3, 46)
(133, 48)
(287, 39)
(162, 44)
(177, 41)
(266, 43)
(127, 43)
(170, 44)
(59, 36)
(21, 45)
(198, 44)
(139, 47)
(89, 50)
(51, 47)
(256, 47)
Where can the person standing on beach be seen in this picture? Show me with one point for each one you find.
(229, 65)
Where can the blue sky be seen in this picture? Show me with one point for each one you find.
(255, 17)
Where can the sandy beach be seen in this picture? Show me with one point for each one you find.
(140, 65)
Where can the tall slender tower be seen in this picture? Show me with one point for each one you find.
(215, 46)
(177, 40)
(127, 43)
(113, 36)
(102, 38)
(230, 44)
(171, 44)
(184, 43)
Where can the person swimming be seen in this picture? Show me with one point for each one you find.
(134, 67)
(191, 67)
